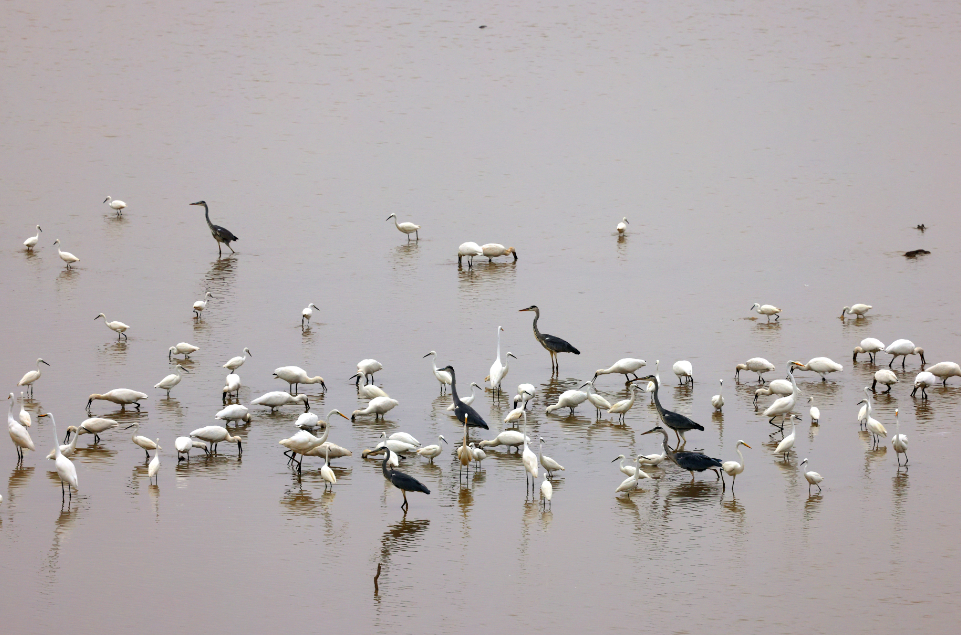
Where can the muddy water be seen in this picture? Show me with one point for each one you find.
(778, 155)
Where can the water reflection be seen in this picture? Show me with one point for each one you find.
(220, 275)
(402, 537)
(62, 527)
(485, 281)
(403, 256)
(17, 481)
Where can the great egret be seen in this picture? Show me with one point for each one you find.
(787, 443)
(95, 426)
(366, 369)
(684, 371)
(67, 449)
(141, 442)
(631, 483)
(24, 416)
(201, 305)
(676, 422)
(443, 377)
(900, 441)
(32, 376)
(819, 365)
(470, 399)
(874, 427)
(554, 345)
(768, 310)
(815, 412)
(547, 491)
(627, 366)
(493, 250)
(213, 435)
(171, 380)
(183, 348)
(278, 398)
(868, 345)
(470, 251)
(784, 405)
(378, 407)
(549, 464)
(66, 256)
(295, 376)
(231, 387)
(326, 473)
(568, 399)
(903, 348)
(813, 478)
(31, 242)
(733, 468)
(405, 228)
(690, 461)
(718, 400)
(65, 467)
(404, 482)
(116, 206)
(122, 396)
(884, 376)
(116, 327)
(528, 458)
(154, 466)
(183, 445)
(599, 402)
(857, 310)
(498, 369)
(621, 407)
(235, 412)
(757, 365)
(431, 452)
(924, 380)
(307, 313)
(221, 234)
(462, 409)
(622, 226)
(18, 433)
(943, 370)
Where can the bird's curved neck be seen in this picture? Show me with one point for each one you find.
(741, 456)
(396, 224)
(537, 316)
(657, 401)
(207, 215)
(498, 345)
(383, 465)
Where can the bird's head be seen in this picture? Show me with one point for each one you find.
(38, 228)
(744, 444)
(653, 430)
(802, 462)
(429, 354)
(391, 216)
(106, 199)
(40, 361)
(619, 457)
(100, 316)
(509, 354)
(532, 307)
(204, 203)
(441, 437)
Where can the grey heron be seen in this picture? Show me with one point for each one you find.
(461, 409)
(404, 482)
(690, 461)
(676, 422)
(554, 345)
(221, 234)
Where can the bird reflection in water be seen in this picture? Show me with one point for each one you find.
(401, 537)
(403, 257)
(486, 281)
(62, 527)
(221, 274)
(17, 481)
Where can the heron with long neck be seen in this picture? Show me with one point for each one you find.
(221, 234)
(462, 411)
(554, 345)
(690, 461)
(404, 482)
(676, 422)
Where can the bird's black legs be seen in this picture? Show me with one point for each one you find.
(888, 390)
(404, 506)
(776, 317)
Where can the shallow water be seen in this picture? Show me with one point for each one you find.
(772, 154)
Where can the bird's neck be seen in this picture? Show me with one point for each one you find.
(207, 214)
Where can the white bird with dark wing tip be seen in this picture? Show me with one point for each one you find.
(470, 398)
(116, 206)
(214, 435)
(622, 226)
(366, 369)
(66, 256)
(627, 366)
(183, 348)
(470, 251)
(278, 398)
(123, 397)
(684, 371)
(295, 375)
(307, 313)
(768, 310)
(231, 387)
(31, 377)
(757, 365)
(903, 348)
(116, 327)
(857, 310)
(405, 228)
(813, 478)
(943, 370)
(379, 406)
(869, 345)
(819, 365)
(884, 376)
(494, 250)
(31, 242)
(171, 380)
(431, 452)
(24, 416)
(442, 376)
(18, 433)
(201, 305)
(183, 445)
(718, 400)
(236, 412)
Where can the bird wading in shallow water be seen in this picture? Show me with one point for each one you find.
(404, 482)
(222, 235)
(554, 345)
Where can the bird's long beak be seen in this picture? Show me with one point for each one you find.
(353, 376)
(96, 318)
(512, 355)
(197, 203)
(43, 362)
(615, 459)
(427, 355)
(652, 430)
(523, 310)
(747, 446)
(324, 386)
(106, 199)
(184, 369)
(38, 228)
(89, 401)
(128, 427)
(445, 441)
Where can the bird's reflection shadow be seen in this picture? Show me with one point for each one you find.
(221, 274)
(856, 323)
(812, 504)
(19, 477)
(62, 527)
(170, 405)
(401, 537)
(68, 276)
(485, 281)
(403, 255)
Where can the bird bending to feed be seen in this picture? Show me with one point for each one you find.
(140, 441)
(903, 348)
(676, 422)
(525, 392)
(815, 412)
(924, 380)
(783, 405)
(404, 482)
(777, 387)
(718, 400)
(819, 365)
(632, 482)
(154, 466)
(366, 369)
(201, 305)
(171, 380)
(295, 376)
(234, 412)
(900, 441)
(236, 362)
(65, 467)
(378, 406)
(213, 435)
(493, 250)
(32, 376)
(95, 426)
(733, 468)
(232, 387)
(462, 409)
(690, 461)
(554, 345)
(768, 310)
(183, 348)
(122, 396)
(568, 399)
(943, 370)
(627, 366)
(31, 242)
(813, 478)
(870, 346)
(18, 433)
(547, 492)
(857, 310)
(67, 449)
(116, 206)
(280, 398)
(307, 313)
(183, 445)
(784, 447)
(469, 251)
(221, 234)
(757, 365)
(370, 391)
(405, 228)
(300, 443)
(684, 371)
(117, 327)
(510, 438)
(884, 376)
(327, 449)
(66, 256)
(549, 464)
(622, 226)
(431, 452)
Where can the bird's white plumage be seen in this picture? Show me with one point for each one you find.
(66, 256)
(31, 242)
(684, 370)
(236, 362)
(718, 400)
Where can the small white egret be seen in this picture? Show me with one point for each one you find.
(116, 206)
(884, 376)
(234, 412)
(470, 251)
(300, 443)
(66, 449)
(431, 452)
(493, 250)
(627, 366)
(378, 407)
(326, 473)
(18, 433)
(514, 415)
(549, 464)
(622, 226)
(295, 376)
(528, 458)
(31, 242)
(783, 406)
(116, 327)
(903, 348)
(236, 362)
(651, 385)
(366, 369)
(787, 443)
(547, 491)
(32, 376)
(443, 377)
(815, 412)
(183, 348)
(65, 467)
(66, 256)
(24, 416)
(718, 400)
(278, 398)
(943, 370)
(653, 459)
(154, 466)
(819, 365)
(171, 380)
(231, 387)
(857, 310)
(757, 365)
(813, 478)
(405, 228)
(733, 468)
(631, 482)
(201, 305)
(923, 381)
(307, 313)
(768, 310)
(141, 441)
(213, 435)
(865, 409)
(874, 427)
(900, 441)
(868, 345)
(469, 399)
(622, 407)
(599, 402)
(478, 455)
(684, 371)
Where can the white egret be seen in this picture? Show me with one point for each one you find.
(116, 327)
(18, 433)
(684, 371)
(183, 445)
(813, 478)
(900, 441)
(66, 449)
(631, 482)
(378, 407)
(568, 399)
(405, 228)
(787, 443)
(295, 375)
(868, 345)
(141, 441)
(733, 468)
(464, 454)
(857, 310)
(183, 348)
(235, 412)
(116, 206)
(32, 376)
(757, 365)
(651, 385)
(122, 396)
(478, 455)
(923, 381)
(300, 443)
(431, 452)
(874, 427)
(943, 370)
(867, 408)
(515, 415)
(718, 400)
(498, 369)
(815, 412)
(510, 438)
(819, 365)
(777, 387)
(549, 464)
(326, 473)
(65, 467)
(547, 491)
(307, 313)
(621, 407)
(370, 391)
(884, 376)
(201, 305)
(154, 466)
(467, 400)
(443, 377)
(627, 366)
(366, 369)
(622, 226)
(599, 402)
(231, 387)
(171, 380)
(278, 398)
(626, 469)
(66, 256)
(493, 250)
(213, 435)
(528, 457)
(236, 362)
(768, 310)
(327, 449)
(24, 416)
(903, 348)
(784, 405)
(95, 426)
(470, 251)
(31, 242)
(525, 388)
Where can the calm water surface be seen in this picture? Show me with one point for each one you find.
(772, 154)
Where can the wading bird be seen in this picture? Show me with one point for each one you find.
(857, 310)
(684, 371)
(622, 226)
(819, 365)
(366, 369)
(510, 438)
(621, 407)
(757, 365)
(733, 468)
(884, 376)
(631, 470)
(295, 376)
(201, 305)
(154, 466)
(676, 422)
(784, 405)
(379, 406)
(65, 467)
(903, 348)
(234, 412)
(404, 482)
(307, 313)
(627, 366)
(549, 464)
(279, 398)
(326, 473)
(443, 377)
(547, 492)
(221, 234)
(405, 228)
(469, 399)
(66, 449)
(768, 310)
(232, 387)
(718, 400)
(31, 377)
(787, 443)
(116, 327)
(462, 409)
(183, 348)
(874, 426)
(868, 345)
(24, 416)
(431, 452)
(943, 370)
(498, 369)
(568, 399)
(923, 381)
(116, 206)
(236, 362)
(690, 461)
(31, 242)
(900, 441)
(632, 482)
(813, 478)
(213, 435)
(815, 412)
(121, 396)
(18, 433)
(599, 402)
(95, 426)
(183, 445)
(470, 251)
(171, 380)
(66, 256)
(140, 441)
(554, 345)
(777, 387)
(493, 250)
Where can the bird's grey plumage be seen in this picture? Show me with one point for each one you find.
(673, 420)
(461, 409)
(220, 234)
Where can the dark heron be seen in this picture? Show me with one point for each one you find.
(220, 234)
(676, 422)
(404, 482)
(690, 461)
(554, 345)
(461, 409)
